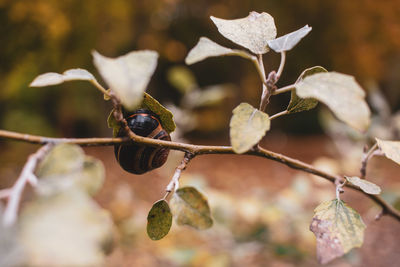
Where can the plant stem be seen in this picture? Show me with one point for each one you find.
(100, 88)
(285, 89)
(203, 150)
(281, 65)
(27, 176)
(365, 158)
(174, 184)
(265, 90)
(277, 115)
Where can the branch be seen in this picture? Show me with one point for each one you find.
(174, 184)
(284, 89)
(281, 65)
(204, 149)
(35, 139)
(277, 115)
(366, 156)
(15, 192)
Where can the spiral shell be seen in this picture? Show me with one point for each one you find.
(138, 158)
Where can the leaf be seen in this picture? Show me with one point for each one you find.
(364, 185)
(252, 32)
(338, 228)
(66, 166)
(208, 96)
(298, 104)
(92, 176)
(68, 229)
(165, 115)
(248, 125)
(182, 79)
(52, 78)
(127, 75)
(11, 252)
(159, 220)
(341, 93)
(63, 159)
(288, 41)
(391, 149)
(190, 207)
(206, 48)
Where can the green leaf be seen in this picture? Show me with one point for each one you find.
(159, 220)
(298, 104)
(165, 115)
(206, 48)
(127, 75)
(52, 78)
(391, 149)
(288, 41)
(248, 125)
(182, 79)
(252, 32)
(338, 228)
(190, 207)
(364, 185)
(341, 93)
(68, 229)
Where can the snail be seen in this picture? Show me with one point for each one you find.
(138, 158)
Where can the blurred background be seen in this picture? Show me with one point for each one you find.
(359, 37)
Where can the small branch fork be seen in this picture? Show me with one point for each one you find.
(174, 184)
(14, 193)
(365, 158)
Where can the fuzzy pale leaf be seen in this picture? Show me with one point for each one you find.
(128, 75)
(252, 32)
(338, 228)
(66, 166)
(341, 93)
(52, 78)
(190, 207)
(206, 48)
(364, 185)
(68, 229)
(288, 41)
(248, 125)
(391, 149)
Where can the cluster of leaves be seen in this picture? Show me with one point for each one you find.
(337, 226)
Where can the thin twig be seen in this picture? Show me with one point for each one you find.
(35, 139)
(277, 115)
(260, 69)
(365, 158)
(339, 187)
(265, 90)
(100, 88)
(281, 65)
(26, 176)
(260, 152)
(285, 89)
(174, 183)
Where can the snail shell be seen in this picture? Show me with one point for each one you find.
(138, 158)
